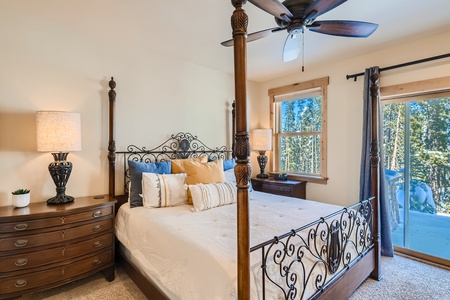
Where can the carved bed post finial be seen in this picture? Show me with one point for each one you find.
(375, 164)
(112, 142)
(239, 22)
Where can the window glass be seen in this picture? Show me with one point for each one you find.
(294, 159)
(301, 115)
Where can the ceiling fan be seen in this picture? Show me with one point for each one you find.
(295, 16)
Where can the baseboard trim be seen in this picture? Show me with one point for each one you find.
(423, 258)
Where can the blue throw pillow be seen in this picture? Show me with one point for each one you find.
(136, 169)
(229, 164)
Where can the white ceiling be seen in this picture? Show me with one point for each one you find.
(192, 30)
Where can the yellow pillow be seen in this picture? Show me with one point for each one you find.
(177, 165)
(209, 172)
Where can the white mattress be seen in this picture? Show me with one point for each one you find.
(192, 255)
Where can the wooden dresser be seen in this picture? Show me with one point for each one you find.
(43, 246)
(296, 189)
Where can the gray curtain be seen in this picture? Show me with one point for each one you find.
(366, 174)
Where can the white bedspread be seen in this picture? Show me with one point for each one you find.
(192, 255)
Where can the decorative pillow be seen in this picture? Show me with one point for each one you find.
(136, 169)
(230, 176)
(229, 164)
(209, 172)
(206, 196)
(178, 164)
(162, 190)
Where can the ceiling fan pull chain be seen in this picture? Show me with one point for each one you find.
(303, 49)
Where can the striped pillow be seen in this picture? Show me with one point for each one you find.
(206, 196)
(162, 190)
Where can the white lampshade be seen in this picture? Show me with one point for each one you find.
(262, 139)
(58, 131)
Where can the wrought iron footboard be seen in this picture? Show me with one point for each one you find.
(302, 262)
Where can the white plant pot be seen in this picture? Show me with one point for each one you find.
(21, 200)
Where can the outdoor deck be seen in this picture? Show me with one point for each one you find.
(429, 234)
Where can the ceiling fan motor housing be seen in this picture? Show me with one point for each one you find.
(298, 9)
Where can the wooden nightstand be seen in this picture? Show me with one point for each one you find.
(289, 188)
(44, 246)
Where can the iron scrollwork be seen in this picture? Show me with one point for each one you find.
(179, 146)
(308, 258)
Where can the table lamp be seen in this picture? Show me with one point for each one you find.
(59, 132)
(262, 142)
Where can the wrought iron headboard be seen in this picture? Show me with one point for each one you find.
(179, 146)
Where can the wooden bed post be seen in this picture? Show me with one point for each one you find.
(233, 125)
(112, 142)
(239, 22)
(375, 164)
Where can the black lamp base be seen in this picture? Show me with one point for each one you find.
(60, 171)
(60, 199)
(262, 161)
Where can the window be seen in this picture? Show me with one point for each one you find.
(299, 126)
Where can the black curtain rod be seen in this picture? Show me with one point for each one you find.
(355, 76)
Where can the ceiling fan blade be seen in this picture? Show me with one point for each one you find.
(344, 28)
(254, 36)
(273, 7)
(319, 7)
(292, 46)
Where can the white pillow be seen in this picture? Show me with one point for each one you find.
(229, 176)
(162, 190)
(206, 196)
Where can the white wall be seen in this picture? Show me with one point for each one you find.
(345, 106)
(48, 66)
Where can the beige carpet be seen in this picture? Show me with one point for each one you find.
(406, 279)
(403, 279)
(94, 287)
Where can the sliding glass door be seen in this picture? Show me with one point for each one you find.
(417, 170)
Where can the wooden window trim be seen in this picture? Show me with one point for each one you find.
(297, 87)
(406, 90)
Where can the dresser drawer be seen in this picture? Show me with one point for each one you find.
(17, 284)
(288, 188)
(54, 255)
(35, 240)
(55, 221)
(273, 188)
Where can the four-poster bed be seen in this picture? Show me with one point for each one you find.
(345, 243)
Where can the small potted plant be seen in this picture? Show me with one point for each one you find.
(21, 197)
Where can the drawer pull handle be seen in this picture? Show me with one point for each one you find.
(97, 228)
(21, 283)
(21, 262)
(97, 262)
(97, 214)
(21, 226)
(21, 243)
(97, 244)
